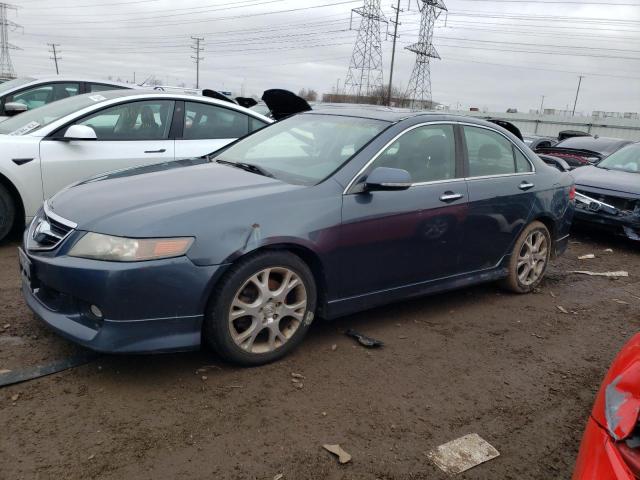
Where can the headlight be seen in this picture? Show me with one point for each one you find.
(119, 249)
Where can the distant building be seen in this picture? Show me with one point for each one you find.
(625, 115)
(377, 100)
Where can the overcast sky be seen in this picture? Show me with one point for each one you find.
(488, 48)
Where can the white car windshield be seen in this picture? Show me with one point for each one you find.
(626, 159)
(303, 149)
(33, 120)
(11, 84)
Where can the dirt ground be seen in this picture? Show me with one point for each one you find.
(512, 368)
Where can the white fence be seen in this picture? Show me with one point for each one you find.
(551, 125)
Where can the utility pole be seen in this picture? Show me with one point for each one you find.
(55, 53)
(542, 105)
(7, 71)
(393, 51)
(364, 77)
(197, 49)
(573, 114)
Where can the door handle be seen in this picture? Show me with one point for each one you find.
(450, 197)
(162, 150)
(526, 186)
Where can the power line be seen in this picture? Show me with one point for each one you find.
(55, 53)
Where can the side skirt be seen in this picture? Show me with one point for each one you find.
(345, 306)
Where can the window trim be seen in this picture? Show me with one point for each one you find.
(461, 155)
(58, 134)
(466, 155)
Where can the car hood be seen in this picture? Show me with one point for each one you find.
(164, 200)
(613, 180)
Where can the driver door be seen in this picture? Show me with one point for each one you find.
(128, 135)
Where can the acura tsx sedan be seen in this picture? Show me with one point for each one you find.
(319, 215)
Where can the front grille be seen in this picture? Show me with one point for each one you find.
(48, 230)
(625, 205)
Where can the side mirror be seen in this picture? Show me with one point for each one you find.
(12, 109)
(80, 132)
(559, 163)
(384, 178)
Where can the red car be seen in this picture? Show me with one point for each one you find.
(610, 447)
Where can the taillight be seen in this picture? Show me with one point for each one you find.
(572, 192)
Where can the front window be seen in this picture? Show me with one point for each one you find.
(33, 120)
(428, 153)
(304, 149)
(626, 159)
(143, 120)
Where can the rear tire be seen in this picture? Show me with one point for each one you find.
(262, 308)
(7, 213)
(529, 259)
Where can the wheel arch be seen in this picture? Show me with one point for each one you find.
(20, 218)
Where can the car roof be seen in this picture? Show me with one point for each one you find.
(75, 78)
(595, 144)
(393, 115)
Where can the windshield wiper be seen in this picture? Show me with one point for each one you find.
(247, 167)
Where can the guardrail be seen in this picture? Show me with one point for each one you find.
(551, 125)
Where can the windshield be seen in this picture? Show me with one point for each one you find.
(304, 149)
(32, 120)
(11, 84)
(626, 159)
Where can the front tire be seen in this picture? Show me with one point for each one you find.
(7, 213)
(529, 258)
(262, 308)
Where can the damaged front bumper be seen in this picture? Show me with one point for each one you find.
(621, 221)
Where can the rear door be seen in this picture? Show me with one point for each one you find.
(206, 127)
(128, 134)
(501, 185)
(397, 238)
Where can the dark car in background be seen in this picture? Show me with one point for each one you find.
(318, 215)
(584, 150)
(608, 193)
(538, 141)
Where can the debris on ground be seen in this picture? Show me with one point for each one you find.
(4, 370)
(608, 250)
(279, 476)
(334, 347)
(588, 256)
(343, 457)
(602, 274)
(29, 373)
(14, 398)
(364, 340)
(462, 454)
(553, 294)
(562, 309)
(297, 375)
(6, 325)
(621, 302)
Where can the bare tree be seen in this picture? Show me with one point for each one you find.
(310, 95)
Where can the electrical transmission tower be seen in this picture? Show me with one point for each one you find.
(419, 88)
(6, 66)
(55, 54)
(197, 59)
(364, 77)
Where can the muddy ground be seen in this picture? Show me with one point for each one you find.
(512, 368)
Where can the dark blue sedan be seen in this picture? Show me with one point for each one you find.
(319, 215)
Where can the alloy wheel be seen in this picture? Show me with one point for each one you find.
(532, 259)
(267, 310)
